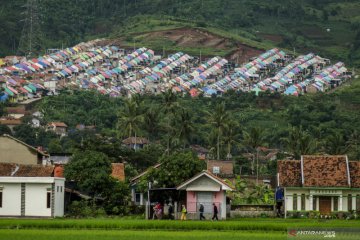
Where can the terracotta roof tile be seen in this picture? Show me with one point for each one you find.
(118, 171)
(289, 173)
(16, 170)
(325, 171)
(355, 174)
(137, 140)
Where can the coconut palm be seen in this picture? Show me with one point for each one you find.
(253, 139)
(169, 106)
(300, 142)
(231, 135)
(218, 119)
(129, 118)
(151, 121)
(185, 126)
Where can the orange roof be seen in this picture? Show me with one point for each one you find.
(20, 170)
(58, 124)
(118, 171)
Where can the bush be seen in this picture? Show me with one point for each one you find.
(84, 209)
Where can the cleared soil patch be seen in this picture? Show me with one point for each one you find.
(192, 38)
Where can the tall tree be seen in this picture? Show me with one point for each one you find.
(169, 105)
(130, 118)
(90, 170)
(217, 119)
(253, 139)
(300, 142)
(184, 126)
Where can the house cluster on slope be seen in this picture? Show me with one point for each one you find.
(123, 72)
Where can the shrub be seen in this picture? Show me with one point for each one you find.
(84, 209)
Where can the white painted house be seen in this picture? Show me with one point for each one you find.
(30, 191)
(320, 183)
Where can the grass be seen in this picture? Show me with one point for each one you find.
(133, 235)
(241, 224)
(89, 229)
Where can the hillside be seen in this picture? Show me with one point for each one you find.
(330, 28)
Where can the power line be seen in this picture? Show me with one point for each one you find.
(30, 41)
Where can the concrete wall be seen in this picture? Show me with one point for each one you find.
(11, 205)
(342, 196)
(59, 198)
(12, 151)
(35, 200)
(35, 203)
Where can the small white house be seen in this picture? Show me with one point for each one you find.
(31, 195)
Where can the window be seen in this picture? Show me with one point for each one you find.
(137, 197)
(57, 188)
(349, 202)
(314, 203)
(336, 203)
(1, 197)
(295, 202)
(61, 189)
(48, 200)
(302, 202)
(216, 170)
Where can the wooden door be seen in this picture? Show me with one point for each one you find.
(325, 205)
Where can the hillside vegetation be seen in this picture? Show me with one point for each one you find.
(329, 27)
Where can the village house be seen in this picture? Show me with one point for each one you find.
(135, 142)
(13, 150)
(207, 189)
(59, 128)
(30, 191)
(223, 169)
(10, 122)
(201, 152)
(327, 184)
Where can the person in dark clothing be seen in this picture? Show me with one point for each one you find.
(215, 212)
(171, 211)
(201, 210)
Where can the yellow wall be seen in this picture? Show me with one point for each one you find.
(12, 151)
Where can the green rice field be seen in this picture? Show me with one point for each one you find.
(78, 229)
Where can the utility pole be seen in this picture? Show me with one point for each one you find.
(30, 41)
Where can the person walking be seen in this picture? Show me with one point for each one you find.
(201, 210)
(215, 213)
(171, 211)
(183, 212)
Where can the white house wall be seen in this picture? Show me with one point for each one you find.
(59, 198)
(35, 200)
(342, 204)
(11, 199)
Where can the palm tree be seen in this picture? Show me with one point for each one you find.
(185, 126)
(218, 119)
(253, 139)
(129, 118)
(231, 135)
(169, 105)
(300, 142)
(151, 121)
(336, 144)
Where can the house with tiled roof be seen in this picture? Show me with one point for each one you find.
(60, 128)
(322, 183)
(135, 142)
(207, 189)
(30, 191)
(13, 150)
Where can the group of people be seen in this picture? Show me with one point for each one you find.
(159, 211)
(201, 210)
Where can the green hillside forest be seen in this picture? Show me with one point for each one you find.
(328, 27)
